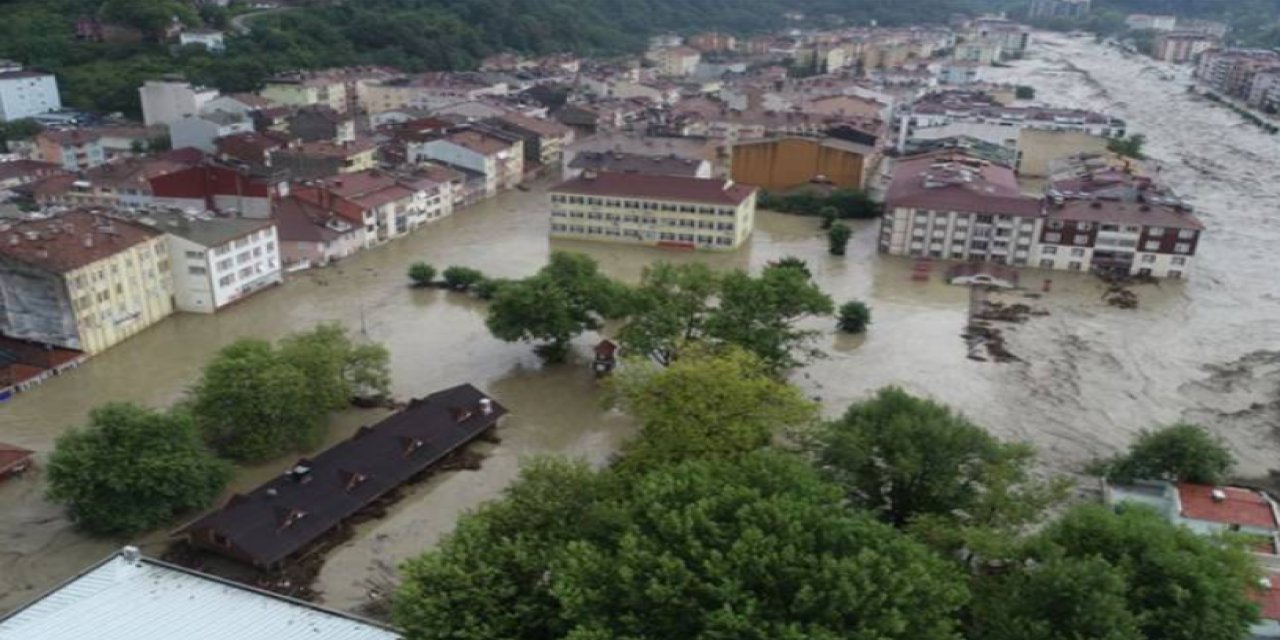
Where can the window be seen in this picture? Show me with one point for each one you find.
(1082, 240)
(1085, 226)
(1182, 247)
(1074, 266)
(1053, 237)
(1155, 231)
(1055, 225)
(1152, 245)
(1077, 253)
(1178, 261)
(195, 255)
(1147, 258)
(1175, 274)
(1046, 263)
(1049, 251)
(1186, 234)
(197, 271)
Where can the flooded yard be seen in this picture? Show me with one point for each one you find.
(1207, 349)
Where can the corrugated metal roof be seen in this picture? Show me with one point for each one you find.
(137, 598)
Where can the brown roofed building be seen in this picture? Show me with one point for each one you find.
(82, 280)
(281, 518)
(692, 213)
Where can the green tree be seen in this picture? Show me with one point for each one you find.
(855, 317)
(488, 288)
(133, 469)
(672, 305)
(567, 297)
(149, 16)
(340, 368)
(462, 278)
(905, 458)
(16, 130)
(253, 406)
(1058, 599)
(1178, 453)
(756, 546)
(422, 274)
(1179, 585)
(854, 204)
(1130, 147)
(838, 238)
(829, 215)
(762, 315)
(1024, 92)
(704, 405)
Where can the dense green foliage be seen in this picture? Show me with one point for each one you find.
(566, 298)
(679, 305)
(757, 546)
(462, 278)
(256, 401)
(133, 469)
(844, 203)
(422, 274)
(838, 238)
(1178, 453)
(1129, 147)
(854, 317)
(705, 405)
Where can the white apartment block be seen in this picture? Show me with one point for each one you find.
(218, 261)
(168, 101)
(24, 94)
(669, 211)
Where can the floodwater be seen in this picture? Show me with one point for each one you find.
(1207, 349)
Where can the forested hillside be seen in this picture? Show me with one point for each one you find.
(412, 34)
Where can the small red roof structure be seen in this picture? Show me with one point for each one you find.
(1268, 597)
(1227, 505)
(606, 350)
(13, 459)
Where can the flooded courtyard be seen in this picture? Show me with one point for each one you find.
(1092, 376)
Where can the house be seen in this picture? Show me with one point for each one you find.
(979, 114)
(544, 140)
(172, 98)
(210, 39)
(124, 183)
(275, 521)
(621, 162)
(1181, 46)
(666, 211)
(786, 162)
(384, 206)
(128, 596)
(24, 93)
(213, 186)
(72, 149)
(202, 131)
(302, 89)
(217, 261)
(1011, 37)
(498, 157)
(251, 149)
(317, 123)
(1205, 509)
(242, 103)
(321, 159)
(431, 91)
(313, 236)
(19, 172)
(82, 280)
(674, 61)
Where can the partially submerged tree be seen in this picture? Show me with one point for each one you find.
(566, 298)
(705, 405)
(763, 315)
(422, 274)
(133, 469)
(1177, 453)
(854, 317)
(838, 238)
(673, 304)
(462, 278)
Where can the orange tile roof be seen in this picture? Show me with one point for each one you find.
(1244, 507)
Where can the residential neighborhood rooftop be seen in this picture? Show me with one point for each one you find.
(673, 188)
(71, 240)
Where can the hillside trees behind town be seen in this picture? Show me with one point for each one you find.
(132, 469)
(256, 401)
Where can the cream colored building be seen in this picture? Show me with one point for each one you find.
(307, 89)
(82, 280)
(669, 211)
(675, 61)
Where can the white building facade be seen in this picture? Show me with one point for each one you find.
(217, 262)
(24, 94)
(167, 101)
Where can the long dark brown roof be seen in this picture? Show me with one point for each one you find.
(677, 188)
(284, 515)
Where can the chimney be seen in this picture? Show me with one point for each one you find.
(1218, 495)
(130, 554)
(486, 406)
(88, 240)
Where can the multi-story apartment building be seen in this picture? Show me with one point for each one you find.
(670, 211)
(1264, 93)
(958, 112)
(203, 130)
(675, 61)
(1050, 9)
(1181, 46)
(1012, 37)
(168, 100)
(24, 94)
(217, 261)
(384, 206)
(544, 140)
(308, 88)
(82, 280)
(952, 206)
(73, 149)
(430, 91)
(498, 157)
(1231, 71)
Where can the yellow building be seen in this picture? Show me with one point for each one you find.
(779, 164)
(82, 280)
(304, 89)
(669, 211)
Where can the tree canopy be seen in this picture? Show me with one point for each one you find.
(1178, 453)
(757, 546)
(133, 469)
(704, 405)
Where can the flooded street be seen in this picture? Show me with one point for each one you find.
(1207, 349)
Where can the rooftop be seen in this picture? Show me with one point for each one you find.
(71, 240)
(131, 597)
(1230, 505)
(619, 162)
(677, 188)
(204, 231)
(284, 515)
(954, 181)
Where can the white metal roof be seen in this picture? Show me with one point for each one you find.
(128, 597)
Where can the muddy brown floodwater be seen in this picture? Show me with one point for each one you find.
(1207, 349)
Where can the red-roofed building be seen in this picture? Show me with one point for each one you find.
(383, 205)
(675, 211)
(13, 460)
(1268, 599)
(1207, 509)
